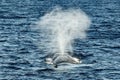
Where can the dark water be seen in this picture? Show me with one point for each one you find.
(21, 58)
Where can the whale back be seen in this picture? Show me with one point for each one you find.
(63, 58)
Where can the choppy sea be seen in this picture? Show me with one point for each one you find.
(22, 59)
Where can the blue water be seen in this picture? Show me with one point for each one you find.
(22, 59)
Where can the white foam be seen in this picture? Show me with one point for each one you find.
(66, 67)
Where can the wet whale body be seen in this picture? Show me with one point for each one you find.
(62, 58)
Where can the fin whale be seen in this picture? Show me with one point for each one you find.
(62, 58)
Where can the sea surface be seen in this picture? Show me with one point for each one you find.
(22, 59)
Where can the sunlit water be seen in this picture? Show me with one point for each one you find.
(22, 59)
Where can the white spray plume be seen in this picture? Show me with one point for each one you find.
(60, 27)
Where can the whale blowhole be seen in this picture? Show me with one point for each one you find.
(59, 28)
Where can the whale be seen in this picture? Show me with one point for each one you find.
(62, 58)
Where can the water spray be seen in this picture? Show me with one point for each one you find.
(61, 28)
